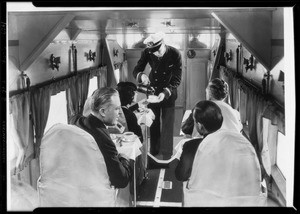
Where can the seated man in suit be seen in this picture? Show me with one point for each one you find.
(105, 107)
(222, 169)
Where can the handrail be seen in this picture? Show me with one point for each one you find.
(268, 97)
(46, 83)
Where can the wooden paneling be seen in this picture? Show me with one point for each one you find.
(253, 29)
(41, 31)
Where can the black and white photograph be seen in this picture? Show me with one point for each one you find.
(149, 107)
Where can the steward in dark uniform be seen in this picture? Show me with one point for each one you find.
(165, 77)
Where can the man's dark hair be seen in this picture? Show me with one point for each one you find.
(209, 115)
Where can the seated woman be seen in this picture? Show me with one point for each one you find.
(217, 91)
(222, 170)
(127, 92)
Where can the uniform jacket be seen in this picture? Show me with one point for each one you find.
(118, 168)
(165, 72)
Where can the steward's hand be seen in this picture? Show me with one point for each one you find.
(145, 79)
(161, 97)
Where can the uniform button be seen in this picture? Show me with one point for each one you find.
(164, 72)
(155, 71)
(155, 79)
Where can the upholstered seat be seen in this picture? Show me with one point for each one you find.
(225, 172)
(72, 170)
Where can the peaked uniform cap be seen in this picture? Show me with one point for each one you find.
(155, 39)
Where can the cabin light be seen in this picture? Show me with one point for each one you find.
(132, 24)
(265, 82)
(167, 23)
(90, 56)
(25, 80)
(54, 62)
(228, 55)
(281, 78)
(214, 52)
(249, 63)
(115, 52)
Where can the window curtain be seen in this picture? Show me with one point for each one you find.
(276, 116)
(102, 77)
(255, 107)
(40, 105)
(243, 103)
(77, 94)
(20, 126)
(124, 71)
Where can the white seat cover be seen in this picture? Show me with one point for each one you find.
(225, 172)
(73, 171)
(231, 117)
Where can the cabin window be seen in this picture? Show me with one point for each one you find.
(130, 39)
(93, 85)
(208, 39)
(117, 75)
(12, 149)
(175, 40)
(136, 40)
(57, 111)
(281, 154)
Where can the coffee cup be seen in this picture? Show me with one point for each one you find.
(130, 136)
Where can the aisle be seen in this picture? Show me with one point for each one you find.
(161, 189)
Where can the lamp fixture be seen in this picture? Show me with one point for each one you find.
(249, 63)
(228, 55)
(25, 80)
(265, 82)
(54, 62)
(167, 24)
(90, 56)
(132, 24)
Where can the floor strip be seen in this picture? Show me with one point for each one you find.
(161, 204)
(159, 188)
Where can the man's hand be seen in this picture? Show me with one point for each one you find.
(145, 79)
(161, 97)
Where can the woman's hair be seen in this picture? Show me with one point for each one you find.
(217, 89)
(102, 98)
(209, 115)
(126, 91)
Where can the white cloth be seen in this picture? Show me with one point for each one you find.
(23, 196)
(231, 117)
(73, 171)
(225, 172)
(131, 148)
(146, 117)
